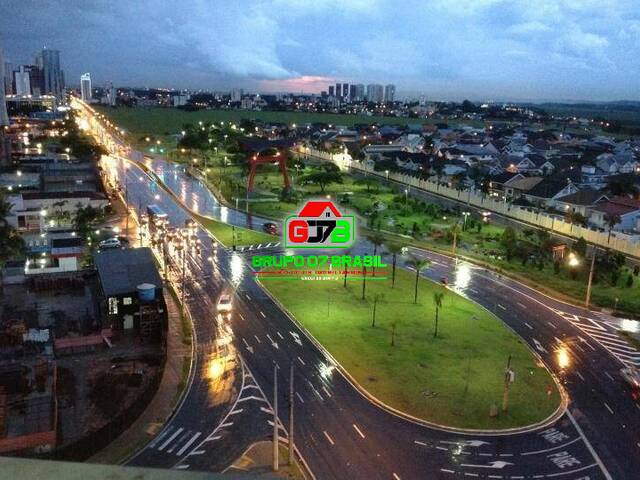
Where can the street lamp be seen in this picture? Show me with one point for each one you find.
(464, 223)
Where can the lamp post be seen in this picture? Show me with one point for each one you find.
(464, 222)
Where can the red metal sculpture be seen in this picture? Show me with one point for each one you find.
(280, 157)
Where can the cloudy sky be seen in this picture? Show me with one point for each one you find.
(445, 49)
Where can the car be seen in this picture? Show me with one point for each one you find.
(224, 303)
(110, 243)
(631, 376)
(270, 228)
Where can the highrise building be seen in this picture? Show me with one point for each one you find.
(236, 94)
(7, 78)
(53, 76)
(112, 94)
(85, 87)
(4, 118)
(332, 91)
(375, 93)
(389, 93)
(352, 93)
(338, 90)
(22, 81)
(345, 90)
(359, 96)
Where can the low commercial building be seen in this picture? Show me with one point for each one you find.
(131, 293)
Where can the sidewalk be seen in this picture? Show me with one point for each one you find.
(165, 399)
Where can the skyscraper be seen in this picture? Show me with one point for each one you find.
(338, 90)
(85, 87)
(389, 93)
(112, 94)
(359, 96)
(332, 90)
(4, 118)
(352, 93)
(345, 90)
(375, 93)
(53, 76)
(8, 78)
(22, 81)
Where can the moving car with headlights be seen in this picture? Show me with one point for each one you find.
(224, 303)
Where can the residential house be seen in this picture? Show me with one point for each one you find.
(626, 208)
(545, 193)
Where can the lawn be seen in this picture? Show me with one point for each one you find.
(224, 233)
(165, 121)
(452, 379)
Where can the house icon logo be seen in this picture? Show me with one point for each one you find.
(319, 225)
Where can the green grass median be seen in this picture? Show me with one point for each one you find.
(452, 379)
(243, 236)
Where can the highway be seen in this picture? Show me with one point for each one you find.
(341, 433)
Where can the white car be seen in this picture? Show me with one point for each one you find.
(224, 303)
(110, 243)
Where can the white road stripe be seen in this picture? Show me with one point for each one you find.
(552, 325)
(604, 470)
(395, 476)
(328, 437)
(280, 335)
(608, 408)
(609, 375)
(530, 327)
(188, 444)
(358, 430)
(170, 439)
(262, 313)
(502, 307)
(580, 375)
(257, 339)
(299, 397)
(301, 361)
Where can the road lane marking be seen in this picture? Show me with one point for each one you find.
(188, 444)
(299, 397)
(539, 346)
(301, 361)
(395, 476)
(181, 467)
(328, 437)
(262, 313)
(604, 470)
(608, 408)
(240, 315)
(552, 325)
(420, 443)
(580, 375)
(550, 475)
(530, 327)
(446, 470)
(535, 452)
(280, 335)
(521, 305)
(247, 295)
(502, 307)
(609, 375)
(358, 430)
(170, 439)
(257, 339)
(326, 391)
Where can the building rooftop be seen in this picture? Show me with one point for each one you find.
(121, 271)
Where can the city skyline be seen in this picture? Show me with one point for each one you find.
(482, 50)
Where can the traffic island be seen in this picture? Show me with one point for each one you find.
(455, 378)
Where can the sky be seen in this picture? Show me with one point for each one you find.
(527, 50)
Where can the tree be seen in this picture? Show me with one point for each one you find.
(580, 247)
(378, 297)
(327, 174)
(376, 239)
(418, 264)
(508, 240)
(11, 243)
(612, 219)
(437, 300)
(393, 249)
(368, 182)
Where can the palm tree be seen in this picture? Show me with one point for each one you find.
(393, 249)
(437, 300)
(378, 297)
(612, 220)
(376, 239)
(418, 264)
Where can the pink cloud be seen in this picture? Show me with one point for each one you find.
(304, 83)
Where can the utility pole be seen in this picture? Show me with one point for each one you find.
(291, 400)
(275, 418)
(455, 240)
(593, 263)
(508, 380)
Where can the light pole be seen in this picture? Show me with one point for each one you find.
(464, 222)
(590, 282)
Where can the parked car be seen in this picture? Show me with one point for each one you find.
(224, 303)
(270, 228)
(110, 243)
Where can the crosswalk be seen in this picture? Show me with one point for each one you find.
(175, 440)
(606, 335)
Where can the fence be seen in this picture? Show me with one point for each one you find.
(627, 244)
